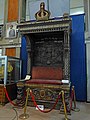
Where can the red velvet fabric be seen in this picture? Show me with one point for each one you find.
(49, 73)
(40, 81)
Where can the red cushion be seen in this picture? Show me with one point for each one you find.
(50, 73)
(40, 81)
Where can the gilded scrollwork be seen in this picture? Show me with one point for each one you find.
(45, 94)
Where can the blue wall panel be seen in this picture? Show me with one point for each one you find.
(24, 57)
(78, 68)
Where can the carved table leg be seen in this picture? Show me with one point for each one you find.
(20, 94)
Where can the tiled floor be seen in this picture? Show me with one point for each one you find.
(8, 113)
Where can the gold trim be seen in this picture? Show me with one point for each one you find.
(62, 87)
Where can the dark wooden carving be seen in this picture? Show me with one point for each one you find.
(48, 50)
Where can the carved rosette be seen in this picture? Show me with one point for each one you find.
(45, 94)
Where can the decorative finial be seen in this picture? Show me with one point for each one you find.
(42, 14)
(66, 16)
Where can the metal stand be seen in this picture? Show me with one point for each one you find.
(75, 108)
(65, 112)
(24, 115)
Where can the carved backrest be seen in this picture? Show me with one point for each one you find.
(48, 49)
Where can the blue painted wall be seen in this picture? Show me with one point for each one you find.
(78, 67)
(23, 57)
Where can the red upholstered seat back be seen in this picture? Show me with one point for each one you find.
(50, 73)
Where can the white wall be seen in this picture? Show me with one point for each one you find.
(76, 3)
(76, 6)
(56, 7)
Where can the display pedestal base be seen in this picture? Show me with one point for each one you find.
(24, 116)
